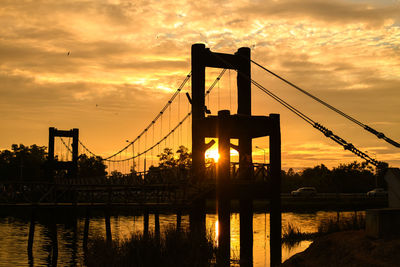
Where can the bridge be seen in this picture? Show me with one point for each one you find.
(135, 179)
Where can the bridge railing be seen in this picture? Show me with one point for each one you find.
(258, 172)
(166, 185)
(43, 192)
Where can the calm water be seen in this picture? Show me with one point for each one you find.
(14, 236)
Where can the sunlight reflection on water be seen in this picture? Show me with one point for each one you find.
(14, 236)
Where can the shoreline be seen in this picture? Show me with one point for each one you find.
(348, 248)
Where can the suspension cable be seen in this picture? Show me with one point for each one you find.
(284, 103)
(328, 133)
(171, 131)
(151, 123)
(156, 144)
(87, 149)
(67, 146)
(158, 115)
(380, 135)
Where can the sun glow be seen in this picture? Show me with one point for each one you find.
(212, 154)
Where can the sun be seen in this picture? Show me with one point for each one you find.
(212, 154)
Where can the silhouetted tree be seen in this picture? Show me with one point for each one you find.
(353, 177)
(184, 157)
(23, 162)
(346, 178)
(167, 158)
(380, 173)
(171, 167)
(91, 167)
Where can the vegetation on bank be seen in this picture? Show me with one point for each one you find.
(354, 177)
(336, 224)
(29, 163)
(173, 248)
(292, 235)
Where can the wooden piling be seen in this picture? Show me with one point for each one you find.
(157, 225)
(108, 226)
(54, 242)
(178, 220)
(275, 215)
(246, 230)
(86, 230)
(146, 223)
(31, 236)
(223, 188)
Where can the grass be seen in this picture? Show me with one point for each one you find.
(175, 248)
(292, 235)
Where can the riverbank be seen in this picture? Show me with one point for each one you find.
(348, 248)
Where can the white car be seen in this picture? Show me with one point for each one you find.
(304, 192)
(377, 192)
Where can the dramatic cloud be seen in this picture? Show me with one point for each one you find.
(107, 67)
(336, 12)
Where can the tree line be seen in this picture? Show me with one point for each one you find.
(24, 163)
(29, 163)
(353, 177)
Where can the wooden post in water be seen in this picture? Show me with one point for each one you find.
(275, 214)
(178, 220)
(86, 230)
(246, 229)
(146, 223)
(54, 242)
(157, 225)
(108, 226)
(245, 158)
(134, 223)
(31, 236)
(74, 245)
(223, 188)
(197, 216)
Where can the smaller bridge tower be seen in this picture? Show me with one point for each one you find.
(70, 166)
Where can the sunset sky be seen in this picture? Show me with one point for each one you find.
(108, 67)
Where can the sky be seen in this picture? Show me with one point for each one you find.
(108, 67)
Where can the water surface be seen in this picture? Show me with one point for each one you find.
(14, 235)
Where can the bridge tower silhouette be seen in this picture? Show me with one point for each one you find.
(242, 126)
(70, 166)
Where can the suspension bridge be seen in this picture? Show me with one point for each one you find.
(171, 127)
(145, 173)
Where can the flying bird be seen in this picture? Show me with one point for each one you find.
(68, 53)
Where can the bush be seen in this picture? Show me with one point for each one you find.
(175, 248)
(292, 235)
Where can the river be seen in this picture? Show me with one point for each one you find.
(14, 235)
